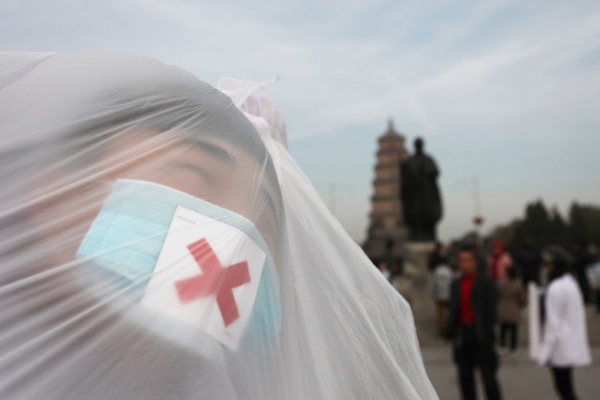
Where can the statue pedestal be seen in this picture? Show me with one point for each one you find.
(415, 285)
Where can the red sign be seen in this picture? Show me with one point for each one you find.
(215, 279)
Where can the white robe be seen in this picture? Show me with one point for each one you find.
(565, 342)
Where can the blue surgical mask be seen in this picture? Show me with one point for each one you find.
(126, 238)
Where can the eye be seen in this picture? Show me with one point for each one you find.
(216, 151)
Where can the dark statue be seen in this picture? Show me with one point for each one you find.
(420, 195)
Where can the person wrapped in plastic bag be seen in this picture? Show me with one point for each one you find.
(157, 242)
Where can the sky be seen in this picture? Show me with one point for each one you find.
(505, 91)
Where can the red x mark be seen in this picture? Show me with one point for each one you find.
(215, 279)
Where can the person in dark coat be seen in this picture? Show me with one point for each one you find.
(582, 259)
(436, 257)
(471, 320)
(529, 260)
(391, 261)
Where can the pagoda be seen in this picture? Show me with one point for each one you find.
(386, 217)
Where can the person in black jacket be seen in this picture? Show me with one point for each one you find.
(470, 326)
(582, 260)
(529, 260)
(436, 257)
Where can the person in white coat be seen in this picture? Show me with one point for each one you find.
(442, 278)
(565, 342)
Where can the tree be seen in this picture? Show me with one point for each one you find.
(558, 231)
(535, 225)
(549, 227)
(577, 226)
(584, 223)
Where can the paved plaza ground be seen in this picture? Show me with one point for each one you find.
(520, 378)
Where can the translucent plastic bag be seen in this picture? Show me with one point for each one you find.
(157, 243)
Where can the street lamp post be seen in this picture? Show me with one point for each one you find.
(478, 219)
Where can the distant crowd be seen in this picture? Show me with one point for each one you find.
(481, 290)
(513, 272)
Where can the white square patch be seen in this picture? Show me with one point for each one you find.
(207, 275)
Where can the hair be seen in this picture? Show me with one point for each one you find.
(557, 272)
(467, 248)
(389, 244)
(560, 268)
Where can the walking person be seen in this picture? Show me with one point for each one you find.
(583, 259)
(593, 274)
(472, 315)
(499, 260)
(565, 342)
(440, 283)
(392, 267)
(436, 257)
(391, 261)
(528, 259)
(511, 299)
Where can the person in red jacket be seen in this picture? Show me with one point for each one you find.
(499, 261)
(471, 320)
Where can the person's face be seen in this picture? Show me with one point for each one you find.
(467, 263)
(211, 169)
